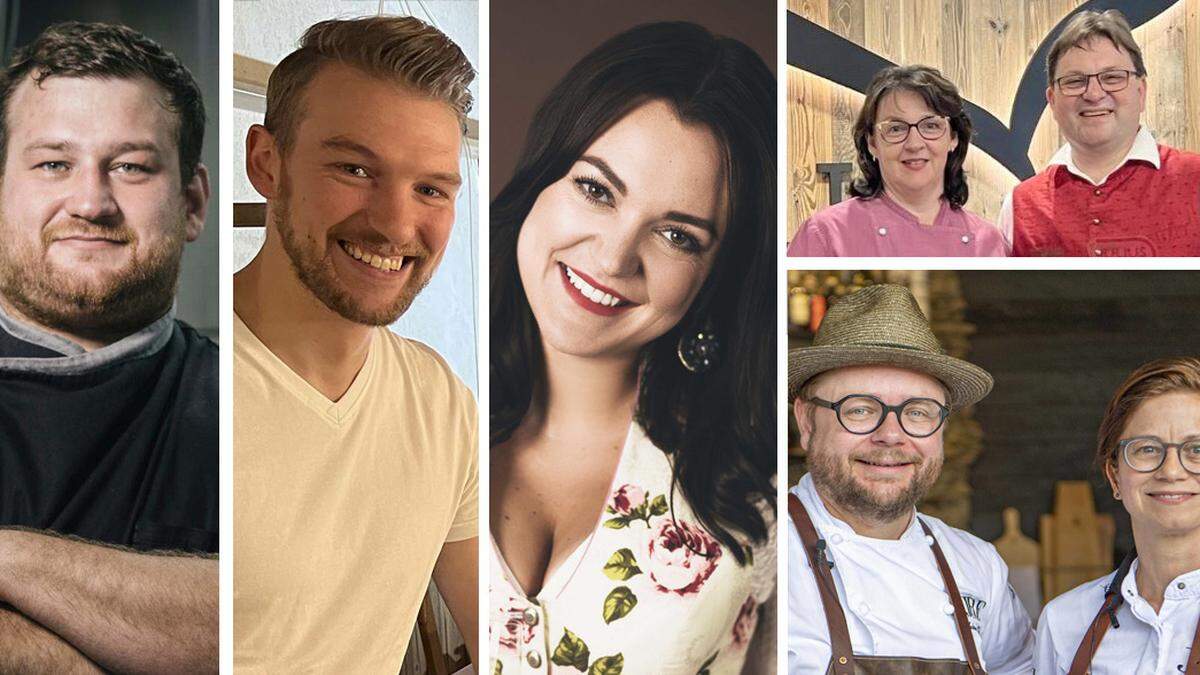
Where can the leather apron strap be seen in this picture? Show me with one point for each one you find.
(1101, 623)
(842, 656)
(1192, 667)
(960, 612)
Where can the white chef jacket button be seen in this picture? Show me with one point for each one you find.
(534, 659)
(929, 539)
(966, 239)
(864, 609)
(947, 609)
(835, 538)
(883, 231)
(530, 616)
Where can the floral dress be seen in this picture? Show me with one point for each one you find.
(644, 593)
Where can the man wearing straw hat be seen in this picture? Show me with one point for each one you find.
(871, 580)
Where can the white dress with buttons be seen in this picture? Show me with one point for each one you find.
(895, 601)
(644, 593)
(1146, 643)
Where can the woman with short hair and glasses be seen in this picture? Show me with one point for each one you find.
(1147, 613)
(911, 137)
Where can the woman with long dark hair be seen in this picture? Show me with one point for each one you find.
(632, 363)
(911, 139)
(1144, 617)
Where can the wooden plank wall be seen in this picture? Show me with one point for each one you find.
(1058, 344)
(982, 46)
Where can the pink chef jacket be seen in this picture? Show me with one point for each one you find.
(881, 227)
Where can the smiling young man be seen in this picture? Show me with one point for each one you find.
(108, 405)
(354, 449)
(873, 580)
(1111, 190)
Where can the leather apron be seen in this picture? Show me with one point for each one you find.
(843, 660)
(1106, 617)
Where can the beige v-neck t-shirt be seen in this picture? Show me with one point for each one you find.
(341, 508)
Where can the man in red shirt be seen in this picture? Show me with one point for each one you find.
(1112, 190)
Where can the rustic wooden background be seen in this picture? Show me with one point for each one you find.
(983, 46)
(1059, 343)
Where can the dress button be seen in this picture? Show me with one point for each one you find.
(1098, 193)
(534, 659)
(1095, 221)
(530, 616)
(883, 231)
(1096, 252)
(947, 609)
(966, 239)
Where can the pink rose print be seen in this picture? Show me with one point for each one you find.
(743, 627)
(508, 621)
(627, 499)
(680, 557)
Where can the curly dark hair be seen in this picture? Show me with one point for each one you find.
(943, 98)
(718, 426)
(75, 49)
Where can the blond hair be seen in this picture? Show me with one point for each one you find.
(403, 49)
(1086, 26)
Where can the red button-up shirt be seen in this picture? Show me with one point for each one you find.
(1139, 210)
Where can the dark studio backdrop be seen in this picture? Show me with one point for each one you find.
(534, 43)
(189, 29)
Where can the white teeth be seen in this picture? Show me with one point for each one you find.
(376, 261)
(590, 292)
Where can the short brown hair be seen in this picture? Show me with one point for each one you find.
(400, 48)
(74, 49)
(1164, 376)
(943, 98)
(1088, 25)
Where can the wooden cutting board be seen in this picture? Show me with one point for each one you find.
(1076, 541)
(1022, 555)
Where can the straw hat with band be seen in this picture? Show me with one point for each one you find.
(883, 325)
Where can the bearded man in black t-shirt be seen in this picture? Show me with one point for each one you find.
(108, 405)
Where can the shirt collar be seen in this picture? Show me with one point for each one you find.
(1190, 582)
(1144, 148)
(75, 359)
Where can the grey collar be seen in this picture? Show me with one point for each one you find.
(75, 360)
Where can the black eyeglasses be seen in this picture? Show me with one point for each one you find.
(1146, 454)
(1110, 81)
(862, 414)
(931, 128)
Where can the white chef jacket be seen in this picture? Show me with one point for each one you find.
(1147, 643)
(894, 600)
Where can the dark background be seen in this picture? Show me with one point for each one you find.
(535, 42)
(1059, 343)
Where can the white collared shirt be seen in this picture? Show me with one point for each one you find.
(1144, 149)
(894, 598)
(1147, 642)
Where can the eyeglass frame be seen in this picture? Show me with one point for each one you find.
(836, 408)
(1088, 81)
(915, 125)
(1123, 447)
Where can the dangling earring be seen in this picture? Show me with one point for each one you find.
(698, 350)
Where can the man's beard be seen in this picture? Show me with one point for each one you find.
(318, 274)
(832, 473)
(113, 305)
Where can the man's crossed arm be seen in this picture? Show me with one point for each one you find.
(75, 604)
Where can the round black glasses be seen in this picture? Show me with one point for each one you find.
(1146, 454)
(863, 414)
